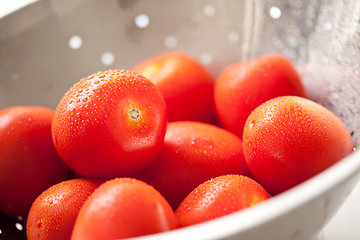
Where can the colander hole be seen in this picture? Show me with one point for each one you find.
(205, 58)
(209, 10)
(19, 226)
(107, 58)
(14, 76)
(75, 42)
(328, 26)
(142, 20)
(171, 42)
(275, 12)
(233, 36)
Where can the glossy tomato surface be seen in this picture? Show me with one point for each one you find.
(243, 86)
(193, 152)
(185, 83)
(29, 163)
(218, 197)
(110, 124)
(53, 213)
(289, 139)
(123, 208)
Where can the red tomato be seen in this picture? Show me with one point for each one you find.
(243, 86)
(123, 208)
(53, 213)
(193, 152)
(289, 139)
(185, 84)
(218, 197)
(110, 124)
(29, 163)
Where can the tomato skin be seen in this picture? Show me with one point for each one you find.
(185, 83)
(110, 124)
(289, 139)
(243, 86)
(193, 152)
(29, 163)
(53, 213)
(123, 208)
(218, 197)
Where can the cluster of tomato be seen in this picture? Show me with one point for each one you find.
(147, 156)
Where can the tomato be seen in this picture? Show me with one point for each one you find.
(241, 87)
(123, 208)
(289, 139)
(110, 124)
(193, 152)
(218, 197)
(29, 163)
(185, 83)
(53, 213)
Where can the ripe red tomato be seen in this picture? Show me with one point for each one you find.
(29, 163)
(110, 124)
(218, 197)
(53, 213)
(193, 152)
(185, 84)
(243, 86)
(123, 208)
(289, 139)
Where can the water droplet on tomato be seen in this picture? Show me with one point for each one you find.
(205, 144)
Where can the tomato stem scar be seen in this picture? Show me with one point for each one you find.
(134, 114)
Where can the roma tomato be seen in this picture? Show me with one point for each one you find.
(243, 86)
(289, 139)
(185, 84)
(53, 213)
(193, 152)
(218, 197)
(110, 124)
(29, 163)
(123, 208)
